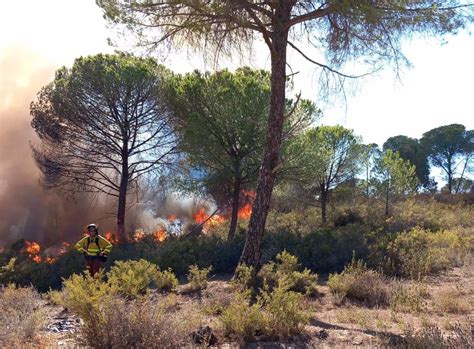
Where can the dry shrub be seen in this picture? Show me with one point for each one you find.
(144, 323)
(357, 282)
(451, 301)
(110, 321)
(431, 337)
(21, 315)
(407, 297)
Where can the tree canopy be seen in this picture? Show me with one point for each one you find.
(342, 30)
(223, 117)
(103, 126)
(450, 148)
(324, 157)
(410, 149)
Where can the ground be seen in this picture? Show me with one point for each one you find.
(448, 300)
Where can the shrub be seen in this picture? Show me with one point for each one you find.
(286, 270)
(143, 323)
(431, 337)
(450, 301)
(132, 278)
(21, 315)
(286, 316)
(418, 252)
(165, 280)
(278, 314)
(243, 321)
(407, 298)
(347, 217)
(357, 282)
(197, 279)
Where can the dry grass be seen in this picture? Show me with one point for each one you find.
(451, 300)
(21, 315)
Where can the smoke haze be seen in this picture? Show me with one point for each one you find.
(26, 209)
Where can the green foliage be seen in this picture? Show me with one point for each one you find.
(411, 150)
(278, 312)
(197, 279)
(284, 308)
(242, 320)
(165, 280)
(21, 315)
(407, 298)
(322, 158)
(286, 271)
(418, 252)
(357, 282)
(447, 146)
(132, 278)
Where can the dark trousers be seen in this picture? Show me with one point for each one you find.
(93, 264)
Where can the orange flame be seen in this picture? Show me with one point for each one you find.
(172, 218)
(245, 211)
(210, 221)
(33, 249)
(111, 237)
(159, 235)
(138, 235)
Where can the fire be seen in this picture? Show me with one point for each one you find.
(33, 249)
(172, 218)
(210, 221)
(111, 237)
(159, 235)
(138, 235)
(245, 211)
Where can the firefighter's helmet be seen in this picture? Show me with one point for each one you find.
(92, 226)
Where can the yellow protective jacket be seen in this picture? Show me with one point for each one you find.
(93, 246)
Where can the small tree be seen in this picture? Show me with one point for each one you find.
(223, 119)
(449, 147)
(103, 125)
(410, 149)
(395, 176)
(324, 157)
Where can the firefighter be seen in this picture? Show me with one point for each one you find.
(95, 249)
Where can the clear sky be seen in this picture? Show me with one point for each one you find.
(438, 90)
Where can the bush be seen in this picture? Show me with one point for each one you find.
(431, 337)
(86, 296)
(143, 323)
(243, 321)
(132, 278)
(165, 280)
(278, 314)
(407, 298)
(418, 252)
(286, 270)
(197, 279)
(357, 282)
(286, 315)
(21, 315)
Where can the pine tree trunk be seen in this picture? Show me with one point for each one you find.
(324, 200)
(235, 208)
(122, 203)
(252, 249)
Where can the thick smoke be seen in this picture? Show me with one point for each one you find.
(26, 209)
(29, 211)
